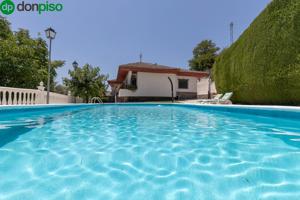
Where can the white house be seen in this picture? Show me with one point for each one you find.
(152, 82)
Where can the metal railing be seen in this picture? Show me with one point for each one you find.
(95, 99)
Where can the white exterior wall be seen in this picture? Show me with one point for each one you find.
(158, 85)
(57, 98)
(203, 87)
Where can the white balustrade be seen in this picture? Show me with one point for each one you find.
(19, 96)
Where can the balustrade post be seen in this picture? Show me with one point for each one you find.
(9, 102)
(4, 102)
(41, 96)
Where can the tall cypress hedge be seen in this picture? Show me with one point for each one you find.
(263, 65)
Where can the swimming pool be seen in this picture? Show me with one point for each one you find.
(149, 151)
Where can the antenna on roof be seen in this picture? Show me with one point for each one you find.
(141, 57)
(231, 33)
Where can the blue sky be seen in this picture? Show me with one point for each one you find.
(108, 33)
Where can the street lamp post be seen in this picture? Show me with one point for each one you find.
(50, 34)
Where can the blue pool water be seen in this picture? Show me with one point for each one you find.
(149, 152)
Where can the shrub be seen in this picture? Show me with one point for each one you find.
(263, 65)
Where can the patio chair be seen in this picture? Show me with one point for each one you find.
(226, 98)
(216, 98)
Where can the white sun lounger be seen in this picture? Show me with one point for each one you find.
(217, 97)
(218, 100)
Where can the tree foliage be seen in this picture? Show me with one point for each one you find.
(87, 82)
(23, 60)
(263, 66)
(61, 89)
(204, 56)
(5, 29)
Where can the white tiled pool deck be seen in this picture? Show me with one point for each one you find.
(276, 107)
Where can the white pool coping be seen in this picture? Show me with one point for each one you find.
(266, 107)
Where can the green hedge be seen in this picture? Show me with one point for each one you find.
(263, 65)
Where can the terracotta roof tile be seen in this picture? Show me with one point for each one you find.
(154, 68)
(147, 65)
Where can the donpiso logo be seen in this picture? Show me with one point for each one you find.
(8, 7)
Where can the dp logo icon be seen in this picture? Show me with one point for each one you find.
(7, 7)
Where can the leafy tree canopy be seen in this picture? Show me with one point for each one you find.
(23, 60)
(5, 29)
(87, 82)
(205, 54)
(61, 89)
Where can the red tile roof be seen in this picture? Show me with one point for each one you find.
(154, 68)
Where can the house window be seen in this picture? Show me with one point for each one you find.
(183, 83)
(131, 84)
(134, 79)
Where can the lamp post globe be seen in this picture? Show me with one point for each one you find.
(50, 34)
(75, 64)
